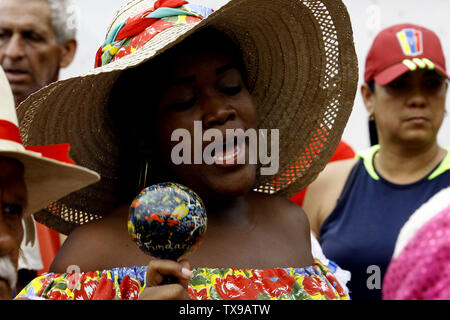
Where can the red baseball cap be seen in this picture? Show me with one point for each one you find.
(402, 48)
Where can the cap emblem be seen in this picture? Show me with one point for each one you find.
(410, 41)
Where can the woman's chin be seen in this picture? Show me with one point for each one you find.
(229, 187)
(212, 183)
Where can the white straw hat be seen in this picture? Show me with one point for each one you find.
(46, 179)
(301, 69)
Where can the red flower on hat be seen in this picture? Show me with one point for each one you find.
(316, 286)
(236, 287)
(274, 282)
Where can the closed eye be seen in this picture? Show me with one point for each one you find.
(185, 105)
(231, 91)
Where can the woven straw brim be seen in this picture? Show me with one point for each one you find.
(47, 180)
(302, 73)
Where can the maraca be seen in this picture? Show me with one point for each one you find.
(167, 220)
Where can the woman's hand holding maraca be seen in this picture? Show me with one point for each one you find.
(167, 221)
(157, 269)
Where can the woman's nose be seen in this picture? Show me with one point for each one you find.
(217, 112)
(417, 98)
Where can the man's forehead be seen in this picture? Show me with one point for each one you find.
(25, 14)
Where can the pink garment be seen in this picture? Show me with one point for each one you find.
(421, 271)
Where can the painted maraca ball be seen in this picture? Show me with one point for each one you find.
(167, 220)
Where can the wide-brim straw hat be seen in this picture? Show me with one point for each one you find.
(302, 73)
(46, 179)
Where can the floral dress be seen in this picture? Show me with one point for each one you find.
(316, 282)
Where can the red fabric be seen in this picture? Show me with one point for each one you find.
(98, 58)
(58, 152)
(139, 23)
(129, 289)
(274, 282)
(105, 289)
(135, 25)
(9, 131)
(236, 287)
(343, 151)
(49, 245)
(48, 239)
(316, 286)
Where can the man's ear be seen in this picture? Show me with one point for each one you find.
(68, 53)
(368, 98)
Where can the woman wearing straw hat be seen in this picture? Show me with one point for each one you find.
(167, 65)
(29, 181)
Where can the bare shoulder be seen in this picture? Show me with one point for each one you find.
(338, 169)
(323, 193)
(279, 207)
(79, 248)
(288, 221)
(93, 246)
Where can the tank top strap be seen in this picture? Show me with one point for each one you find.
(443, 166)
(367, 155)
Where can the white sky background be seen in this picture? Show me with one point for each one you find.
(367, 16)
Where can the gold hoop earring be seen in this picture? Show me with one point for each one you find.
(143, 174)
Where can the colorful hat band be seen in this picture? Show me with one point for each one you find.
(135, 32)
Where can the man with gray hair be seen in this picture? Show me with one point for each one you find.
(37, 38)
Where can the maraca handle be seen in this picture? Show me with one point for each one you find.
(169, 280)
